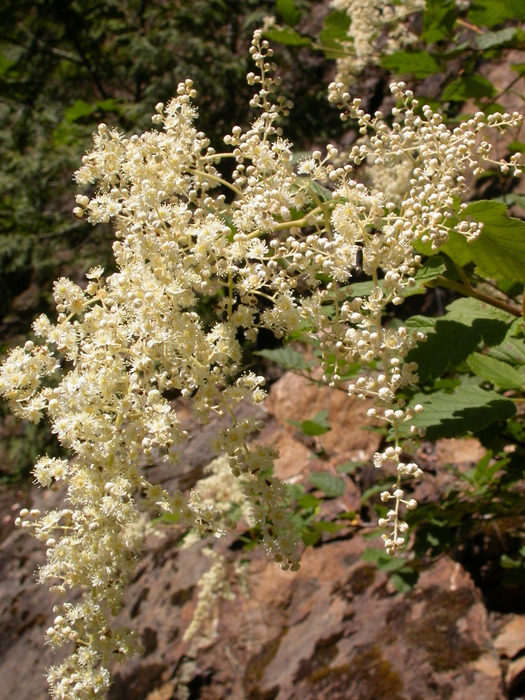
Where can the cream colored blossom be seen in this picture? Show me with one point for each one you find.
(377, 28)
(104, 370)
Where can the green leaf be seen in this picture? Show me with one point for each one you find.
(326, 526)
(489, 40)
(295, 491)
(404, 581)
(318, 425)
(468, 410)
(391, 565)
(288, 37)
(499, 373)
(78, 109)
(438, 20)
(508, 563)
(485, 472)
(468, 86)
(488, 13)
(512, 347)
(373, 555)
(334, 34)
(510, 199)
(109, 105)
(6, 64)
(288, 358)
(308, 501)
(373, 491)
(490, 320)
(458, 339)
(499, 252)
(420, 64)
(322, 193)
(428, 272)
(348, 467)
(331, 485)
(466, 323)
(309, 537)
(288, 11)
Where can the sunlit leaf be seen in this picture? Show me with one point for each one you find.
(467, 410)
(499, 252)
(499, 373)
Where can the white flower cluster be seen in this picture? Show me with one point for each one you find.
(377, 28)
(279, 256)
(213, 585)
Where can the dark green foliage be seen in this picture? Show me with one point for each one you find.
(65, 67)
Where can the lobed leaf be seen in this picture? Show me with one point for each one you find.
(499, 373)
(499, 252)
(331, 485)
(334, 34)
(468, 86)
(489, 40)
(420, 64)
(467, 410)
(288, 11)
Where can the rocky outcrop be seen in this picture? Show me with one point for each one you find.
(337, 629)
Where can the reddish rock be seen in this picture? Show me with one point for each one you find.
(336, 629)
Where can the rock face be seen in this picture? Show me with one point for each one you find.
(336, 629)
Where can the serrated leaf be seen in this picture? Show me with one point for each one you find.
(489, 40)
(499, 252)
(499, 373)
(468, 86)
(288, 11)
(467, 410)
(288, 37)
(334, 34)
(438, 20)
(512, 347)
(458, 339)
(454, 336)
(421, 323)
(470, 311)
(488, 13)
(288, 358)
(420, 64)
(331, 485)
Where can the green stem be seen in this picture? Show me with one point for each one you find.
(470, 291)
(283, 225)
